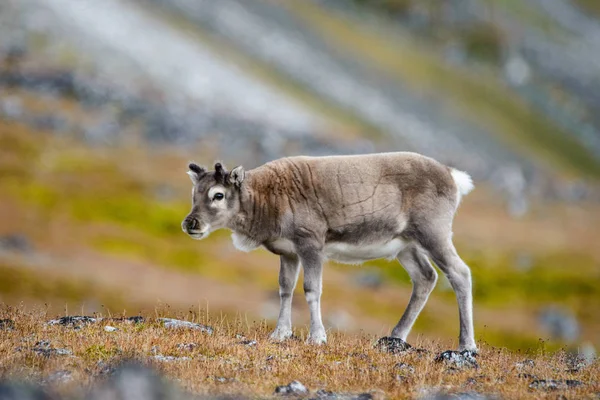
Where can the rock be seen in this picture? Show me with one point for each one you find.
(553, 384)
(43, 348)
(585, 356)
(7, 324)
(517, 71)
(16, 242)
(458, 396)
(162, 358)
(11, 107)
(392, 345)
(187, 346)
(525, 364)
(249, 343)
(222, 379)
(176, 324)
(75, 321)
(458, 359)
(59, 377)
(21, 391)
(293, 388)
(133, 381)
(108, 328)
(328, 395)
(524, 375)
(137, 319)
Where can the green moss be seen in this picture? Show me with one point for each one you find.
(98, 352)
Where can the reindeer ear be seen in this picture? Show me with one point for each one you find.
(196, 172)
(237, 175)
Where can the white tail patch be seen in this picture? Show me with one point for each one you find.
(463, 181)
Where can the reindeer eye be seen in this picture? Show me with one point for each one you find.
(218, 196)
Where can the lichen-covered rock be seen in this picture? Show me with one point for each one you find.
(328, 395)
(455, 359)
(392, 345)
(187, 346)
(44, 348)
(293, 388)
(528, 363)
(458, 396)
(162, 358)
(75, 321)
(177, 324)
(16, 243)
(554, 384)
(59, 377)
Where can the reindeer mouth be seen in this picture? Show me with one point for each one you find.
(198, 235)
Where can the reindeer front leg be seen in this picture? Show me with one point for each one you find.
(312, 262)
(289, 267)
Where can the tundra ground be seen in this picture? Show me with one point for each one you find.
(237, 358)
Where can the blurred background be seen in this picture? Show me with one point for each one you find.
(103, 104)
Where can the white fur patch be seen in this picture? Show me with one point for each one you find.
(463, 181)
(244, 243)
(359, 253)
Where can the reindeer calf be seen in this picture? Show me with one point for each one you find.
(345, 208)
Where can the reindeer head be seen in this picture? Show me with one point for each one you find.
(215, 199)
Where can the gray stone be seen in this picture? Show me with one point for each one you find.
(187, 346)
(293, 388)
(179, 324)
(162, 358)
(392, 345)
(16, 242)
(455, 359)
(458, 396)
(59, 377)
(44, 348)
(75, 321)
(528, 363)
(554, 384)
(328, 395)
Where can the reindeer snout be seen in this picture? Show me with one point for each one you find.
(190, 225)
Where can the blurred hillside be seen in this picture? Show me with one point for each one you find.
(102, 104)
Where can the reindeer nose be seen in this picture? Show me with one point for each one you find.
(190, 224)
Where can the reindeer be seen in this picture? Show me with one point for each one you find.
(349, 209)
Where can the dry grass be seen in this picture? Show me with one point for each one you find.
(349, 363)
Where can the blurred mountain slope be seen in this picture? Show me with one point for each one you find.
(261, 75)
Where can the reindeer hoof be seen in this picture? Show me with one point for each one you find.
(279, 335)
(317, 339)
